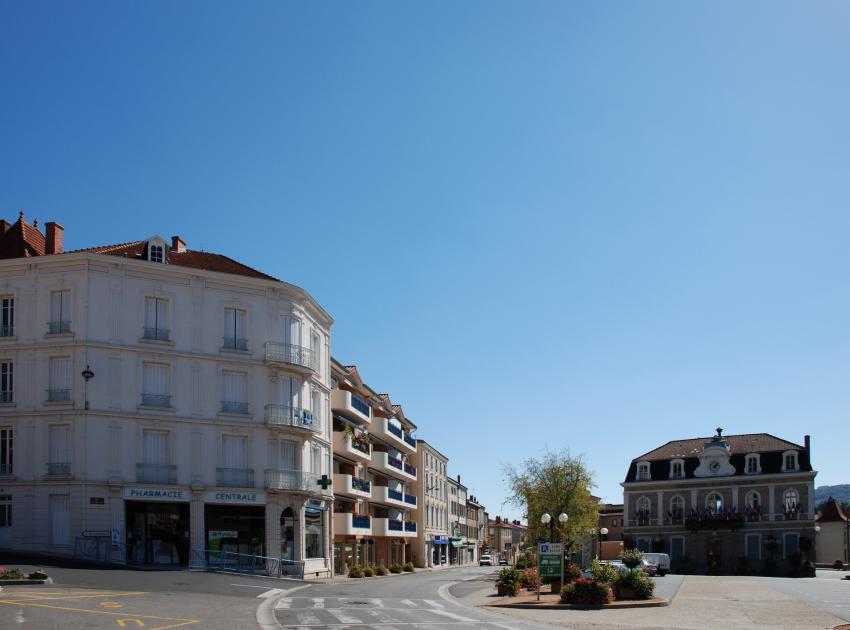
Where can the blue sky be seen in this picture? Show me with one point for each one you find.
(596, 225)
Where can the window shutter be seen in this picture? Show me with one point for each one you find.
(233, 452)
(239, 323)
(155, 447)
(234, 387)
(287, 455)
(56, 306)
(230, 322)
(161, 306)
(60, 445)
(155, 379)
(60, 519)
(60, 373)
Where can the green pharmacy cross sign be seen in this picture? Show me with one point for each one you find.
(324, 481)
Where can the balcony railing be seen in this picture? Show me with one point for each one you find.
(156, 334)
(156, 400)
(410, 526)
(290, 354)
(410, 470)
(5, 469)
(359, 404)
(59, 468)
(410, 499)
(642, 520)
(288, 416)
(395, 495)
(234, 343)
(58, 328)
(753, 517)
(410, 440)
(156, 473)
(394, 430)
(294, 480)
(58, 395)
(395, 463)
(361, 484)
(235, 477)
(362, 521)
(7, 331)
(230, 406)
(394, 525)
(724, 521)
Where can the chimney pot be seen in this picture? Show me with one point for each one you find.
(807, 441)
(178, 244)
(54, 238)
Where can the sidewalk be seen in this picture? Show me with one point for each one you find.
(702, 603)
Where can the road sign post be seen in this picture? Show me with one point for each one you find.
(550, 562)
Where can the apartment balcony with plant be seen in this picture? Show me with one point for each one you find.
(351, 406)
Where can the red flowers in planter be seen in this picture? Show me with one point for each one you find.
(585, 592)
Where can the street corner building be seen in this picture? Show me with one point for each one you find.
(158, 404)
(722, 503)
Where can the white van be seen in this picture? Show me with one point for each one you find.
(660, 560)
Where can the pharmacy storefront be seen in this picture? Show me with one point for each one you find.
(235, 522)
(157, 525)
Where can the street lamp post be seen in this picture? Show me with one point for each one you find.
(546, 519)
(603, 531)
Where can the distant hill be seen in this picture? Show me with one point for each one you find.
(841, 493)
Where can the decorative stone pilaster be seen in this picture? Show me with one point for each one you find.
(771, 502)
(273, 512)
(196, 520)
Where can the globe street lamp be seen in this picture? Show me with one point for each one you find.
(603, 531)
(546, 519)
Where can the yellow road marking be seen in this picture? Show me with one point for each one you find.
(183, 622)
(111, 605)
(52, 597)
(123, 622)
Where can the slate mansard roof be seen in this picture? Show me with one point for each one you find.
(769, 447)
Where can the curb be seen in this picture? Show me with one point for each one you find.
(655, 602)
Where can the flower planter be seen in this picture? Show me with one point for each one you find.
(504, 590)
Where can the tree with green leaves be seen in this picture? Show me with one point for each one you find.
(555, 483)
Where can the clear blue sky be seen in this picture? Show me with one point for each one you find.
(600, 225)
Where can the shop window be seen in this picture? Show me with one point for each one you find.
(314, 533)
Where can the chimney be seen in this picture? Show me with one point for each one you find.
(178, 244)
(498, 520)
(53, 237)
(807, 441)
(458, 478)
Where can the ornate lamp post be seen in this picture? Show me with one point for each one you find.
(546, 519)
(603, 531)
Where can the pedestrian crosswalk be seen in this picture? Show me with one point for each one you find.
(339, 613)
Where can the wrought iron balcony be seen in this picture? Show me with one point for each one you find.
(235, 477)
(723, 521)
(7, 396)
(156, 400)
(156, 334)
(295, 480)
(410, 526)
(287, 416)
(59, 468)
(58, 395)
(230, 406)
(59, 328)
(290, 354)
(7, 331)
(156, 473)
(235, 343)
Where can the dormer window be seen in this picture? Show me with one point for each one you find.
(753, 464)
(789, 461)
(156, 254)
(643, 471)
(677, 469)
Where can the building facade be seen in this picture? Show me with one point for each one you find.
(432, 491)
(459, 546)
(161, 402)
(375, 475)
(476, 524)
(711, 502)
(501, 539)
(832, 541)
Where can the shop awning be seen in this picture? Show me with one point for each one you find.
(456, 542)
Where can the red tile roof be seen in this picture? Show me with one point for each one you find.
(739, 444)
(832, 512)
(21, 240)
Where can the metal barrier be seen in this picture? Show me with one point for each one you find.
(102, 549)
(231, 562)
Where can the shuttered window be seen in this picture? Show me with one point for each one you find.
(291, 330)
(235, 335)
(7, 382)
(60, 519)
(60, 312)
(60, 379)
(154, 447)
(288, 455)
(7, 317)
(234, 392)
(290, 392)
(234, 451)
(60, 444)
(155, 385)
(156, 319)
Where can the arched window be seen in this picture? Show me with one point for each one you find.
(752, 506)
(791, 503)
(677, 509)
(156, 254)
(714, 502)
(643, 511)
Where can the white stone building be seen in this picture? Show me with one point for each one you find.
(203, 423)
(432, 490)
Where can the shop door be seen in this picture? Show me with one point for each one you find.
(5, 520)
(160, 531)
(287, 534)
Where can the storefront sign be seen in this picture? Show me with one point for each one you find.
(224, 496)
(156, 494)
(441, 540)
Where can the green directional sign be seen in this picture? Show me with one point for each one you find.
(550, 565)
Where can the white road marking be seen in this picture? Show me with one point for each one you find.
(451, 615)
(307, 618)
(378, 603)
(282, 603)
(271, 593)
(343, 616)
(408, 602)
(433, 604)
(252, 586)
(318, 602)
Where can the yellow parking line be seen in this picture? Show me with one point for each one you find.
(124, 614)
(50, 597)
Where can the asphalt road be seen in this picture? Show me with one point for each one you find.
(424, 600)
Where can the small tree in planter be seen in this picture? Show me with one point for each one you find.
(529, 579)
(632, 558)
(584, 592)
(635, 584)
(507, 583)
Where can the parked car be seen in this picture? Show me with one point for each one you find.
(617, 564)
(660, 560)
(503, 562)
(648, 567)
(485, 559)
